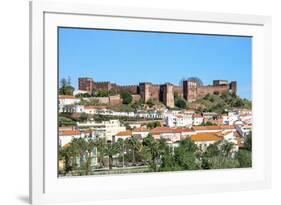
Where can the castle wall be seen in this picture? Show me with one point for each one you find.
(102, 85)
(154, 91)
(115, 100)
(204, 90)
(133, 89)
(190, 91)
(179, 90)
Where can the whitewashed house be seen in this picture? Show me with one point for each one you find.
(105, 129)
(178, 120)
(198, 119)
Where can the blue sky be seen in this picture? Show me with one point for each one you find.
(127, 57)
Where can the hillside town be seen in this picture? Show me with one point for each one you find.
(105, 128)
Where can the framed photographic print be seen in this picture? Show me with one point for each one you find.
(129, 102)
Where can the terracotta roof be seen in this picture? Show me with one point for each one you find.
(69, 132)
(159, 130)
(67, 97)
(124, 133)
(227, 126)
(206, 137)
(214, 127)
(183, 129)
(141, 129)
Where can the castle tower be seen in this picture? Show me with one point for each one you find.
(86, 84)
(144, 91)
(189, 90)
(167, 95)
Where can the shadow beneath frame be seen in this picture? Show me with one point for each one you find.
(23, 198)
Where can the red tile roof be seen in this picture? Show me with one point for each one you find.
(141, 129)
(69, 132)
(159, 130)
(124, 133)
(213, 127)
(206, 137)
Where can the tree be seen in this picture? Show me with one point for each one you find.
(180, 103)
(66, 153)
(133, 144)
(101, 143)
(248, 142)
(126, 97)
(185, 155)
(65, 87)
(121, 144)
(80, 146)
(65, 121)
(152, 125)
(83, 116)
(245, 158)
(154, 152)
(222, 162)
(110, 150)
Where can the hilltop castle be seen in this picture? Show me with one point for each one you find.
(189, 90)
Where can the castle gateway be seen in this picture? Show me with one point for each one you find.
(189, 90)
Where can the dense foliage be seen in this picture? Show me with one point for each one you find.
(126, 98)
(220, 103)
(65, 87)
(148, 154)
(180, 102)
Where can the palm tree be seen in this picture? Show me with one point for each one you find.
(110, 150)
(80, 146)
(154, 150)
(101, 144)
(133, 143)
(66, 153)
(121, 145)
(226, 148)
(91, 144)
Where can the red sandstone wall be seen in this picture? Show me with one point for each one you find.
(133, 89)
(204, 90)
(102, 85)
(179, 90)
(154, 91)
(115, 100)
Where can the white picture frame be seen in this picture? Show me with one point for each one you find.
(46, 187)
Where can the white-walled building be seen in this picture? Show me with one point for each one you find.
(122, 135)
(198, 119)
(105, 129)
(171, 134)
(65, 136)
(178, 120)
(230, 118)
(68, 100)
(141, 132)
(244, 130)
